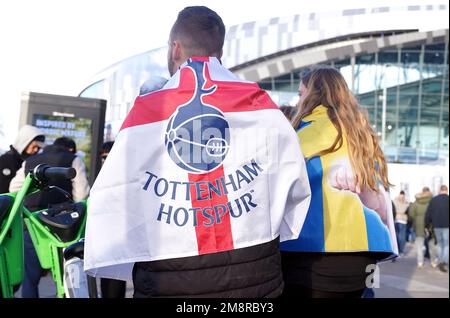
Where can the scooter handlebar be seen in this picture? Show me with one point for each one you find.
(44, 173)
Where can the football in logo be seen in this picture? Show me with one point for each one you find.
(197, 136)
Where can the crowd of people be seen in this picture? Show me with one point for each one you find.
(339, 185)
(425, 224)
(27, 152)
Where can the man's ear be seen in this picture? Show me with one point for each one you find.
(177, 52)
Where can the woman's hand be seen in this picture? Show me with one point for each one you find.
(341, 177)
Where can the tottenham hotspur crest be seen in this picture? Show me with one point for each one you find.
(197, 136)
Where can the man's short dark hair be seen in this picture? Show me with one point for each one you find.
(402, 192)
(200, 30)
(66, 143)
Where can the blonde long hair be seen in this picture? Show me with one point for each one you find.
(327, 87)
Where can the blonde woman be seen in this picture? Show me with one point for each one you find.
(349, 226)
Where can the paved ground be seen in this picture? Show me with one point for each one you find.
(403, 279)
(400, 279)
(47, 288)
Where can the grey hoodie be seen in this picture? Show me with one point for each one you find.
(26, 134)
(11, 161)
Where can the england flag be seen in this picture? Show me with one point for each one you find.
(206, 164)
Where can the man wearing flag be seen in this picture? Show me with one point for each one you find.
(205, 178)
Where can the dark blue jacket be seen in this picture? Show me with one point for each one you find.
(437, 212)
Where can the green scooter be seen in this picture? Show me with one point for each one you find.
(52, 230)
(11, 245)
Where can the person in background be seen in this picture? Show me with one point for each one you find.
(401, 220)
(349, 225)
(288, 111)
(110, 288)
(436, 216)
(28, 142)
(430, 240)
(105, 149)
(60, 154)
(417, 214)
(410, 232)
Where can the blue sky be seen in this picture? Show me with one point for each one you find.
(56, 46)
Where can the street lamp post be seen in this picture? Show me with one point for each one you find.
(383, 119)
(384, 106)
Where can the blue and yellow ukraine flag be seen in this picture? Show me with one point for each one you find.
(337, 221)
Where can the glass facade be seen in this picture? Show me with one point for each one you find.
(405, 92)
(120, 83)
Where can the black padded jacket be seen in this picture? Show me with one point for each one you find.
(251, 272)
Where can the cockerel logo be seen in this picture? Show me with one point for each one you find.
(197, 136)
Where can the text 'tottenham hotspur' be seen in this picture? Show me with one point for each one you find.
(206, 214)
